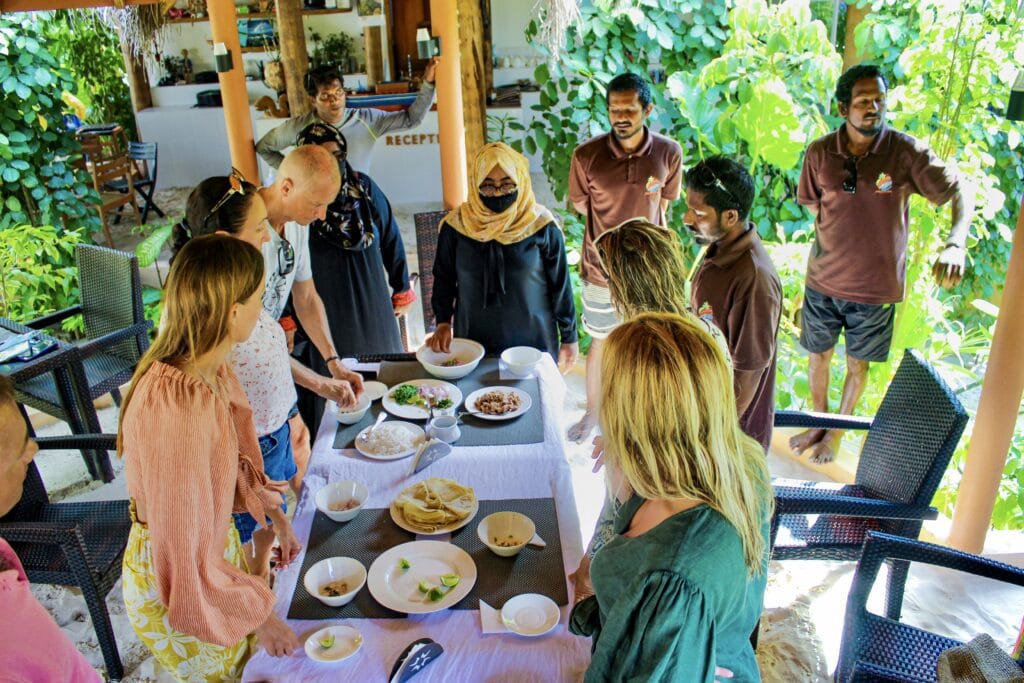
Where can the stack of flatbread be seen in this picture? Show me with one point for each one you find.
(435, 503)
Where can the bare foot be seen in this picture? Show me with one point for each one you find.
(825, 450)
(804, 440)
(581, 430)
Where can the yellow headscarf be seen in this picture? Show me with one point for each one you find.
(514, 224)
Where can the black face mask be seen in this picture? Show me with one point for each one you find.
(500, 203)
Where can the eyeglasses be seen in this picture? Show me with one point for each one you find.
(236, 185)
(332, 96)
(489, 190)
(850, 182)
(285, 258)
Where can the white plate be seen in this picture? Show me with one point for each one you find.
(415, 412)
(347, 642)
(398, 589)
(399, 519)
(524, 397)
(530, 614)
(374, 390)
(418, 438)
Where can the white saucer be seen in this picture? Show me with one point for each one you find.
(374, 390)
(347, 642)
(530, 614)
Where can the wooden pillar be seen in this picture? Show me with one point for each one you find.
(374, 56)
(444, 19)
(138, 79)
(474, 75)
(854, 15)
(294, 59)
(1000, 399)
(224, 29)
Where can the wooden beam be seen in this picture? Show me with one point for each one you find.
(39, 5)
(294, 58)
(224, 29)
(374, 54)
(474, 75)
(444, 21)
(854, 15)
(138, 79)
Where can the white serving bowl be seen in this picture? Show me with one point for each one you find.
(466, 351)
(323, 572)
(349, 416)
(338, 492)
(521, 360)
(502, 525)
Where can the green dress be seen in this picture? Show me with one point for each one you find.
(673, 603)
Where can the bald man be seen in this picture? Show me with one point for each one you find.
(307, 181)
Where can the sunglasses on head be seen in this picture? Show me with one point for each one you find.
(236, 185)
(710, 178)
(850, 182)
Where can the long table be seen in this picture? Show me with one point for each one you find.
(505, 472)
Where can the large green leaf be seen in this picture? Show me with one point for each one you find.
(769, 123)
(148, 250)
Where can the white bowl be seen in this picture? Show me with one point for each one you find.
(347, 569)
(339, 492)
(349, 416)
(466, 351)
(530, 614)
(521, 360)
(347, 642)
(511, 526)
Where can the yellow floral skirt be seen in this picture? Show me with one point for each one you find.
(185, 657)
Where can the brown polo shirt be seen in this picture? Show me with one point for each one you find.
(617, 186)
(860, 243)
(738, 285)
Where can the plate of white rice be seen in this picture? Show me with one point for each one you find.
(392, 440)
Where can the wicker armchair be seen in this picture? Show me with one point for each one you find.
(75, 544)
(427, 226)
(117, 333)
(875, 648)
(908, 446)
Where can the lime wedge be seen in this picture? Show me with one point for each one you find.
(425, 587)
(450, 580)
(327, 642)
(435, 594)
(404, 563)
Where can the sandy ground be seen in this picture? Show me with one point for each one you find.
(804, 603)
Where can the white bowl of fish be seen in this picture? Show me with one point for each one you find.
(461, 359)
(335, 581)
(349, 416)
(342, 500)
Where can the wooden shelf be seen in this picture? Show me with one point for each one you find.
(258, 15)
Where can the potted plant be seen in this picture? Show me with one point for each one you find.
(334, 50)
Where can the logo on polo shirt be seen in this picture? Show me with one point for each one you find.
(883, 183)
(653, 185)
(706, 312)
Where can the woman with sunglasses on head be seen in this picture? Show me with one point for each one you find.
(501, 276)
(358, 261)
(230, 205)
(675, 594)
(191, 458)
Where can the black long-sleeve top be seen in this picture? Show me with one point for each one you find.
(505, 295)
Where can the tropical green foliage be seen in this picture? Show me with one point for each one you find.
(35, 278)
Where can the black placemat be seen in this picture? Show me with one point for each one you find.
(525, 429)
(533, 570)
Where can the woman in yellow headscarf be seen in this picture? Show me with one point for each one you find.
(501, 276)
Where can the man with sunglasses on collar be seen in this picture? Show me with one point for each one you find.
(857, 182)
(361, 127)
(736, 285)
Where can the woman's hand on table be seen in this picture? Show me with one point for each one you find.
(276, 638)
(567, 356)
(441, 340)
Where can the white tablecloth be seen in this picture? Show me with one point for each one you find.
(523, 471)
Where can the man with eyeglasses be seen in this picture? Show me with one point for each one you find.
(857, 182)
(736, 285)
(361, 127)
(629, 172)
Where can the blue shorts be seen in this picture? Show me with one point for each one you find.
(279, 465)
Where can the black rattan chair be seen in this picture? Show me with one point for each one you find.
(427, 227)
(72, 544)
(117, 333)
(907, 448)
(875, 648)
(144, 159)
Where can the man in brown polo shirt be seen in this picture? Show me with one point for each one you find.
(857, 183)
(736, 284)
(630, 172)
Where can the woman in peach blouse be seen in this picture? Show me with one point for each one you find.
(191, 458)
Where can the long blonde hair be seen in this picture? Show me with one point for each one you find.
(668, 413)
(210, 275)
(645, 266)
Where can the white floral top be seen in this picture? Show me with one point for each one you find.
(264, 369)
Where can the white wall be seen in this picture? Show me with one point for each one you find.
(508, 24)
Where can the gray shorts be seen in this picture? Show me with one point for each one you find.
(599, 314)
(868, 326)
